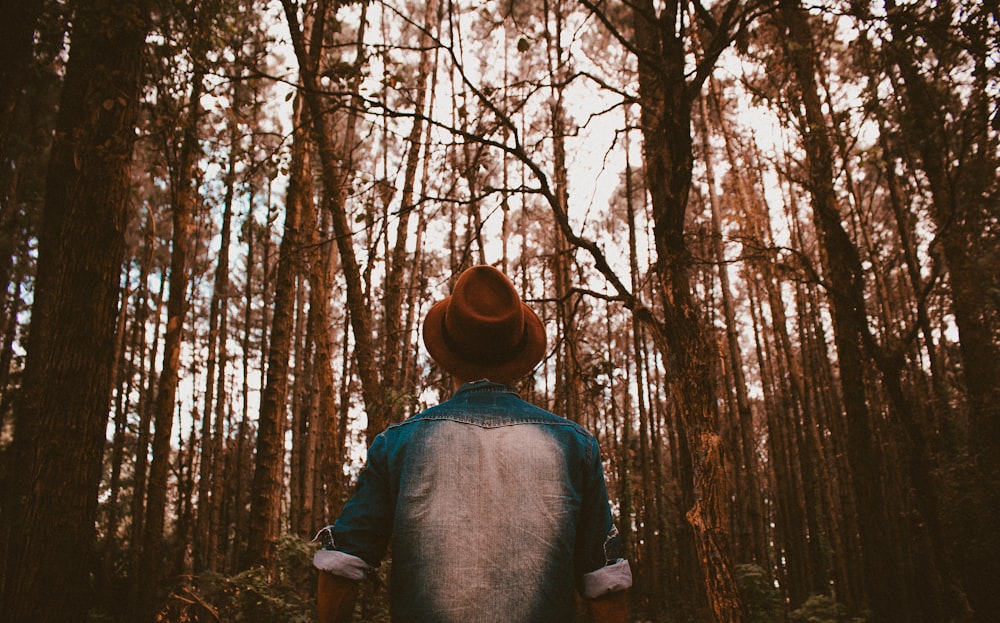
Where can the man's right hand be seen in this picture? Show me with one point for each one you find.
(335, 597)
(610, 608)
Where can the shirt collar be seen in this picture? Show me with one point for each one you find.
(484, 385)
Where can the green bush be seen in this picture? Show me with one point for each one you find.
(248, 597)
(761, 596)
(373, 598)
(822, 609)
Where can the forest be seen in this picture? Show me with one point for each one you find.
(762, 236)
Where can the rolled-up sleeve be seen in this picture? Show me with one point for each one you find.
(610, 578)
(341, 564)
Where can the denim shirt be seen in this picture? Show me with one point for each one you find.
(496, 510)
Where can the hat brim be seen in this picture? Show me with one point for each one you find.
(520, 364)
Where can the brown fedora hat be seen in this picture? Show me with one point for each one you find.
(484, 330)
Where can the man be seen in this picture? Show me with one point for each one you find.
(496, 509)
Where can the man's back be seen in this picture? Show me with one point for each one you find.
(487, 495)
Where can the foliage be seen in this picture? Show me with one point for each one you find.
(762, 598)
(822, 609)
(248, 596)
(373, 599)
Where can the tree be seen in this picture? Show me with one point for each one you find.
(751, 542)
(17, 28)
(266, 490)
(779, 325)
(666, 100)
(844, 274)
(206, 534)
(393, 343)
(335, 173)
(151, 569)
(32, 36)
(895, 593)
(948, 128)
(61, 416)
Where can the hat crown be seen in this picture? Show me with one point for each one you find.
(485, 319)
(484, 329)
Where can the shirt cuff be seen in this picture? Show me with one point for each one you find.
(614, 577)
(341, 564)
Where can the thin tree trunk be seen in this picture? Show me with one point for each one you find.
(393, 344)
(11, 328)
(184, 507)
(263, 528)
(313, 423)
(105, 574)
(628, 505)
(147, 383)
(335, 172)
(303, 398)
(410, 360)
(218, 464)
(211, 442)
(567, 388)
(236, 474)
(17, 38)
(151, 558)
(751, 542)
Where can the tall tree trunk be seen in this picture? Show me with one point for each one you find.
(323, 439)
(411, 361)
(210, 442)
(182, 183)
(393, 344)
(61, 417)
(222, 410)
(666, 101)
(269, 465)
(17, 31)
(110, 546)
(568, 388)
(147, 384)
(751, 541)
(893, 595)
(626, 500)
(14, 305)
(177, 560)
(335, 173)
(304, 398)
(314, 370)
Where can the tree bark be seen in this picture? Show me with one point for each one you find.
(61, 418)
(666, 99)
(151, 566)
(335, 173)
(268, 472)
